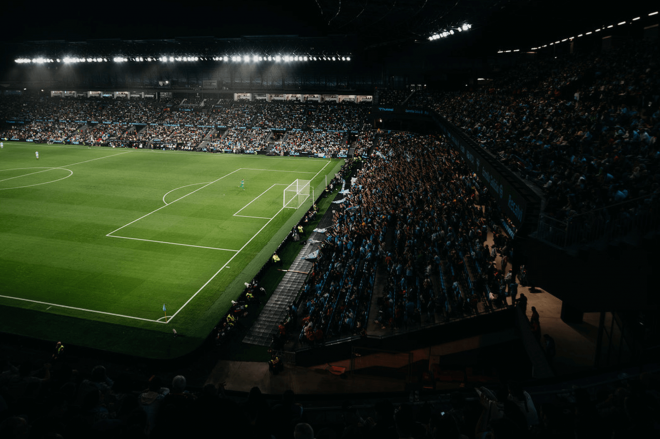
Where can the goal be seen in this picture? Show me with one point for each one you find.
(296, 193)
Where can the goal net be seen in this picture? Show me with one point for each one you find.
(296, 193)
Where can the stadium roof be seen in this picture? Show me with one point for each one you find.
(368, 23)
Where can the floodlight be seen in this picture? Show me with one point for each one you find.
(580, 35)
(270, 58)
(610, 26)
(597, 30)
(636, 18)
(459, 29)
(226, 58)
(348, 58)
(58, 60)
(565, 39)
(619, 24)
(334, 59)
(171, 58)
(451, 31)
(278, 58)
(588, 33)
(653, 13)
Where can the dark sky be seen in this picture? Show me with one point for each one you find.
(80, 20)
(514, 23)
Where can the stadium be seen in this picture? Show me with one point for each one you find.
(322, 219)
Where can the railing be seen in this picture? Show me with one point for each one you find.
(641, 214)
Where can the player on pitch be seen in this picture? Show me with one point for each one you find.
(243, 183)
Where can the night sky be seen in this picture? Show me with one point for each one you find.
(81, 20)
(511, 23)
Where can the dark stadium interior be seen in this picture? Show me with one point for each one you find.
(485, 265)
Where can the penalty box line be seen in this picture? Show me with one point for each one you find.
(222, 268)
(235, 254)
(180, 198)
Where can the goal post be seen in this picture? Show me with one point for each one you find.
(296, 194)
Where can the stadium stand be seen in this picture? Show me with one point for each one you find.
(406, 249)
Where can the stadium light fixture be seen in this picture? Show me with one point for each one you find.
(610, 26)
(348, 58)
(171, 58)
(278, 58)
(597, 30)
(636, 18)
(621, 24)
(653, 13)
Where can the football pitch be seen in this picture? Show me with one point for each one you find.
(98, 241)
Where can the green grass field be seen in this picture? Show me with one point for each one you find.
(94, 241)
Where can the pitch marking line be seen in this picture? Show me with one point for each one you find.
(50, 169)
(25, 175)
(276, 184)
(100, 158)
(194, 184)
(221, 268)
(256, 217)
(80, 309)
(312, 179)
(180, 198)
(172, 243)
(278, 170)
